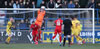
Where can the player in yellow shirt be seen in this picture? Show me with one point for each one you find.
(8, 30)
(76, 29)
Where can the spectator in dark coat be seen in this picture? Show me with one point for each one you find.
(21, 5)
(51, 4)
(98, 4)
(32, 4)
(64, 5)
(10, 5)
(43, 4)
(91, 4)
(77, 5)
(27, 23)
(27, 5)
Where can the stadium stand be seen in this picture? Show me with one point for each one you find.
(29, 3)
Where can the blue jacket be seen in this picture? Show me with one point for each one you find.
(71, 6)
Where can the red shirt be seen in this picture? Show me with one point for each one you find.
(58, 23)
(34, 27)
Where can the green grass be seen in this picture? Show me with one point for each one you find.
(48, 46)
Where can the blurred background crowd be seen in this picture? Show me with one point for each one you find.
(50, 3)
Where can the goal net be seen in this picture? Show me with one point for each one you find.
(24, 17)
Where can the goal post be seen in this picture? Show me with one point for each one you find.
(93, 25)
(85, 15)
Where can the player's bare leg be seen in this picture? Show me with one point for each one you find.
(36, 39)
(64, 40)
(69, 40)
(55, 34)
(39, 36)
(83, 41)
(60, 38)
(80, 40)
(8, 38)
(53, 38)
(72, 42)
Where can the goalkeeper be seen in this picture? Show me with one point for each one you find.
(39, 20)
(76, 29)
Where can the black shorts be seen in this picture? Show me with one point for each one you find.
(67, 32)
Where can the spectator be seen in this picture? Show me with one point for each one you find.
(32, 4)
(27, 22)
(98, 4)
(59, 4)
(21, 5)
(35, 1)
(51, 4)
(71, 5)
(91, 4)
(12, 2)
(5, 4)
(43, 4)
(20, 1)
(27, 5)
(16, 5)
(10, 5)
(77, 5)
(22, 25)
(64, 5)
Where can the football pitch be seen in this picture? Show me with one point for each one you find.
(48, 46)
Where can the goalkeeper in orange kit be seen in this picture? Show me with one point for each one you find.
(39, 20)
